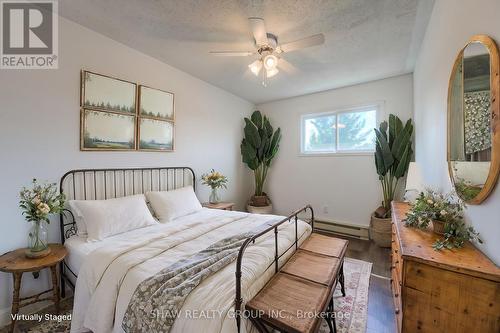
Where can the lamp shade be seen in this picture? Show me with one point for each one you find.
(414, 182)
(255, 67)
(271, 72)
(270, 61)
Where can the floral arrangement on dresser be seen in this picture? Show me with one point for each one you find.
(215, 180)
(445, 212)
(37, 204)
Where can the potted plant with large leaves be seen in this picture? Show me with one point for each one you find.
(258, 149)
(393, 152)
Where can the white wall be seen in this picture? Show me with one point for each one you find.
(451, 25)
(39, 129)
(347, 185)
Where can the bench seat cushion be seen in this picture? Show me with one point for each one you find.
(312, 266)
(326, 245)
(289, 303)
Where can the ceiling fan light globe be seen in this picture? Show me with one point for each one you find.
(270, 61)
(271, 72)
(255, 67)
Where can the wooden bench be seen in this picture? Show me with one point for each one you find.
(301, 293)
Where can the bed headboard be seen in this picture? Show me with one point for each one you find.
(97, 184)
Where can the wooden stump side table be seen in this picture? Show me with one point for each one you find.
(17, 263)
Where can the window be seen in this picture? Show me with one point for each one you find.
(346, 131)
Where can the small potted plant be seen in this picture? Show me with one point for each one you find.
(37, 204)
(215, 180)
(446, 215)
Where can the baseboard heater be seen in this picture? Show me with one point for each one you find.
(343, 229)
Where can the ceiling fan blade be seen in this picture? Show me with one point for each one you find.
(231, 53)
(303, 43)
(287, 67)
(259, 32)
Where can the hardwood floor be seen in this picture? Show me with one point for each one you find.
(381, 317)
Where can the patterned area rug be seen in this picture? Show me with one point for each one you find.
(351, 310)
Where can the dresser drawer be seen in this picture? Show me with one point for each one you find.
(397, 263)
(396, 297)
(396, 286)
(439, 300)
(396, 259)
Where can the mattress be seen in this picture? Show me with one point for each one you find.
(78, 247)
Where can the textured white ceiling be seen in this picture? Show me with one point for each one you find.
(365, 39)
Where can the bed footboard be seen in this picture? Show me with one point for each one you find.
(294, 216)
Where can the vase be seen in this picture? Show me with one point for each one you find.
(38, 245)
(438, 227)
(214, 196)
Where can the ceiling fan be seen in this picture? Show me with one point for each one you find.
(268, 49)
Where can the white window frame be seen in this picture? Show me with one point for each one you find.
(380, 115)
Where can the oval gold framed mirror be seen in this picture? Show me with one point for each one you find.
(473, 120)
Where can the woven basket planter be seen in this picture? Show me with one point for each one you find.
(438, 227)
(381, 231)
(265, 209)
(260, 210)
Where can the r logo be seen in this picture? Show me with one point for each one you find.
(27, 27)
(29, 34)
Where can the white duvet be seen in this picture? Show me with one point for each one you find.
(110, 274)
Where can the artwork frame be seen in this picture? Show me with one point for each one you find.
(124, 108)
(107, 93)
(88, 144)
(148, 100)
(167, 142)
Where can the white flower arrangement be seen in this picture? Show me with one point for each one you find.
(40, 201)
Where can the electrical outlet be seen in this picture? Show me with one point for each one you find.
(325, 209)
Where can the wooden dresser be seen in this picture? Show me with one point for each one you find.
(441, 291)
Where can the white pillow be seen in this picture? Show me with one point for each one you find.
(169, 205)
(105, 218)
(80, 223)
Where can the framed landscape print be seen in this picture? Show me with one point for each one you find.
(100, 92)
(155, 103)
(156, 135)
(117, 115)
(107, 130)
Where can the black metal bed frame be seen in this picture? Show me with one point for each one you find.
(139, 181)
(69, 228)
